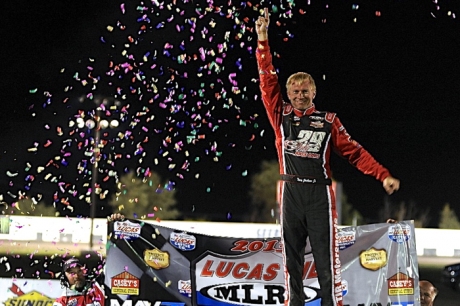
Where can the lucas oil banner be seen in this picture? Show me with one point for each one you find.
(154, 265)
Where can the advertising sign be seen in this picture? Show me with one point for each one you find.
(30, 292)
(165, 266)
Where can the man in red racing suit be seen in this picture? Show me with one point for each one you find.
(304, 140)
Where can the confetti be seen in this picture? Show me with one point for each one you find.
(172, 103)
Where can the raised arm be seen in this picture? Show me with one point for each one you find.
(269, 87)
(262, 26)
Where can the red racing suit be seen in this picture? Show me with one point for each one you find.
(304, 140)
(93, 296)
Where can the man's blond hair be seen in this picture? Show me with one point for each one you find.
(300, 77)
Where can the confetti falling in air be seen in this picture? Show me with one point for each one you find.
(168, 96)
(177, 88)
(26, 243)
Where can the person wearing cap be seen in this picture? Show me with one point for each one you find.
(77, 289)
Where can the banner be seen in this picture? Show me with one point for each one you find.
(149, 264)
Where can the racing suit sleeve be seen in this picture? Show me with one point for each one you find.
(269, 86)
(356, 155)
(59, 302)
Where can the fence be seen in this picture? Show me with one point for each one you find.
(76, 231)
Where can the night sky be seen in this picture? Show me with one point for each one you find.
(389, 69)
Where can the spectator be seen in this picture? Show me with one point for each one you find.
(428, 293)
(78, 290)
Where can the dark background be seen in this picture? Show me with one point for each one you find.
(393, 80)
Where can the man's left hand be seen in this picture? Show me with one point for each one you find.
(390, 184)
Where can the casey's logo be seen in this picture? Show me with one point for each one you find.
(400, 284)
(125, 283)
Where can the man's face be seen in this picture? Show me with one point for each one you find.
(301, 95)
(427, 294)
(76, 277)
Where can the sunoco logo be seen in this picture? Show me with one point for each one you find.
(33, 298)
(252, 293)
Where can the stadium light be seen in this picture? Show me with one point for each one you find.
(98, 120)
